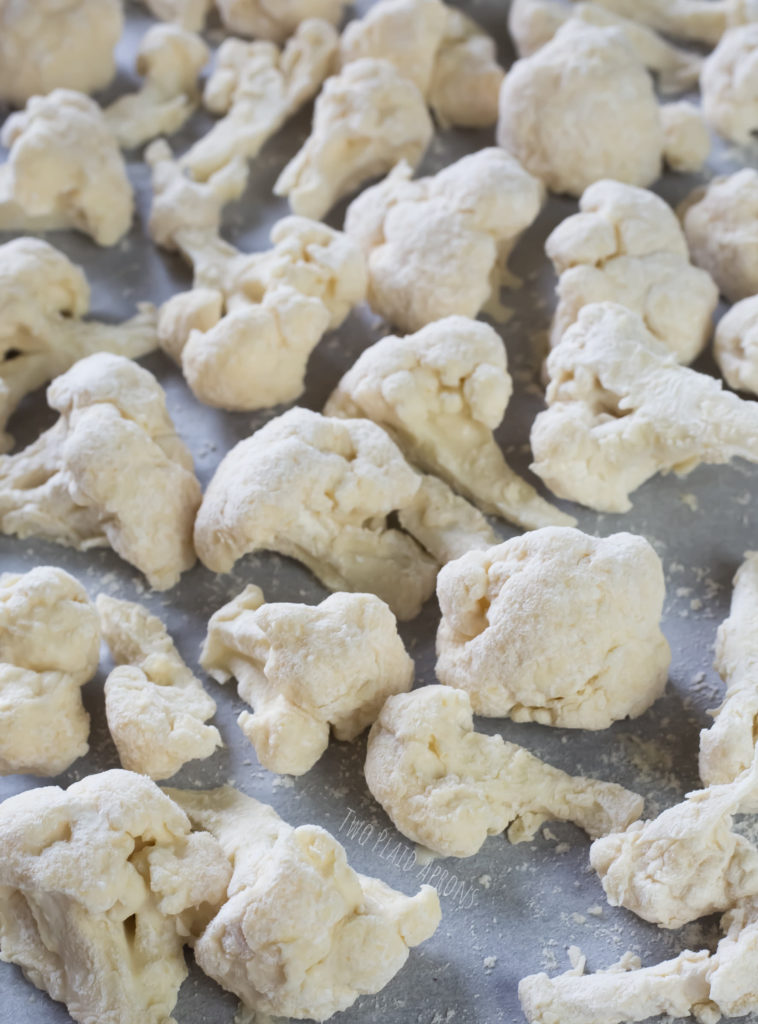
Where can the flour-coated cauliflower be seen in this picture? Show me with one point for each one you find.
(735, 345)
(448, 787)
(306, 669)
(275, 19)
(729, 84)
(438, 246)
(555, 627)
(686, 139)
(64, 170)
(698, 21)
(112, 470)
(440, 393)
(190, 14)
(366, 119)
(626, 246)
(49, 648)
(155, 707)
(620, 410)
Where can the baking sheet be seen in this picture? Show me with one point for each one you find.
(510, 910)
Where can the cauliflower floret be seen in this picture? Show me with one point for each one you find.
(626, 246)
(721, 225)
(698, 21)
(532, 23)
(438, 246)
(52, 44)
(112, 470)
(92, 883)
(244, 334)
(190, 14)
(620, 410)
(729, 84)
(43, 297)
(687, 862)
(735, 346)
(555, 627)
(366, 119)
(64, 170)
(448, 787)
(275, 19)
(589, 77)
(439, 394)
(258, 87)
(728, 747)
(319, 490)
(170, 60)
(686, 139)
(49, 648)
(304, 669)
(156, 708)
(301, 934)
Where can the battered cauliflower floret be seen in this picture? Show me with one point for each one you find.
(275, 19)
(686, 139)
(728, 747)
(257, 87)
(95, 885)
(170, 60)
(112, 470)
(366, 119)
(697, 21)
(620, 410)
(584, 76)
(190, 14)
(626, 246)
(156, 708)
(729, 84)
(735, 346)
(244, 334)
(43, 297)
(439, 246)
(301, 934)
(700, 984)
(446, 54)
(64, 170)
(685, 863)
(532, 23)
(49, 648)
(305, 669)
(448, 787)
(320, 490)
(51, 44)
(721, 225)
(440, 393)
(555, 627)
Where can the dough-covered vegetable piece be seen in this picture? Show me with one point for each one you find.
(589, 76)
(305, 669)
(190, 14)
(704, 985)
(49, 648)
(687, 862)
(555, 627)
(96, 886)
(51, 44)
(244, 333)
(439, 246)
(257, 87)
(697, 21)
(43, 297)
(301, 934)
(729, 84)
(366, 119)
(721, 225)
(626, 246)
(156, 708)
(686, 139)
(620, 410)
(440, 393)
(532, 23)
(448, 787)
(170, 60)
(728, 747)
(320, 490)
(112, 470)
(275, 19)
(64, 170)
(735, 345)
